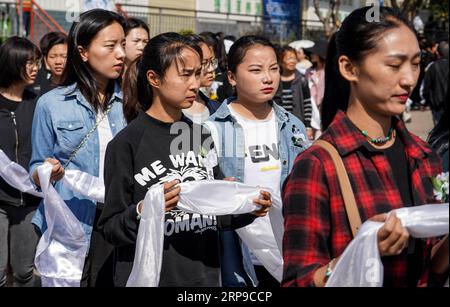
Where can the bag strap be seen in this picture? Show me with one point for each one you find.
(344, 183)
(87, 136)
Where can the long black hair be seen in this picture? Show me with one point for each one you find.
(15, 52)
(356, 38)
(160, 52)
(76, 71)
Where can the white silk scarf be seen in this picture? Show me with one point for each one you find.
(63, 246)
(360, 265)
(214, 197)
(62, 249)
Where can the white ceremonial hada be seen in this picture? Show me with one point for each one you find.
(360, 265)
(62, 249)
(259, 237)
(63, 246)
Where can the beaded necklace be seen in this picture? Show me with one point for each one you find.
(380, 140)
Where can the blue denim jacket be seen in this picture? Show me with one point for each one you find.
(229, 141)
(61, 120)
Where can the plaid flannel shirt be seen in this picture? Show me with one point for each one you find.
(316, 225)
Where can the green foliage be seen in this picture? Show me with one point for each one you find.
(439, 9)
(186, 31)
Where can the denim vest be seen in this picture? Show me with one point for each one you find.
(229, 141)
(61, 120)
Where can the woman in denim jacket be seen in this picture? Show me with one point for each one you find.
(257, 142)
(89, 95)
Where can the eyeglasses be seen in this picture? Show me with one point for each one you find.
(214, 63)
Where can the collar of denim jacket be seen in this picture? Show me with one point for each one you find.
(223, 112)
(74, 91)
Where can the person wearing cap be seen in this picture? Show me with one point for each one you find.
(303, 63)
(316, 73)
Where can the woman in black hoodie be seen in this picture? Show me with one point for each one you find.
(19, 63)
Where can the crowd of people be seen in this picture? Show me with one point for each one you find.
(105, 99)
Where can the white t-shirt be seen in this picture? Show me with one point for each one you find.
(104, 136)
(262, 160)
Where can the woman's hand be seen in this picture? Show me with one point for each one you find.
(57, 171)
(265, 201)
(310, 133)
(392, 236)
(171, 194)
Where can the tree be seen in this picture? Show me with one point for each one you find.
(331, 20)
(439, 9)
(409, 8)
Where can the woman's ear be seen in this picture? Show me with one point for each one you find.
(83, 54)
(231, 78)
(153, 79)
(347, 69)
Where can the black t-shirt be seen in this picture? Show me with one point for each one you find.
(396, 156)
(147, 153)
(397, 159)
(12, 105)
(8, 104)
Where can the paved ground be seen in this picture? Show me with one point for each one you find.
(421, 123)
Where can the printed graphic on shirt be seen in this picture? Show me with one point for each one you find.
(185, 174)
(262, 153)
(299, 139)
(184, 167)
(178, 221)
(262, 165)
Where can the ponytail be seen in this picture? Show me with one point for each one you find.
(221, 52)
(337, 89)
(160, 52)
(137, 94)
(357, 37)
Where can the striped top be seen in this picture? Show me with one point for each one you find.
(287, 97)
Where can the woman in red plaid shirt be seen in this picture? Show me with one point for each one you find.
(372, 68)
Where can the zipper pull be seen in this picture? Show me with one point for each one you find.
(13, 116)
